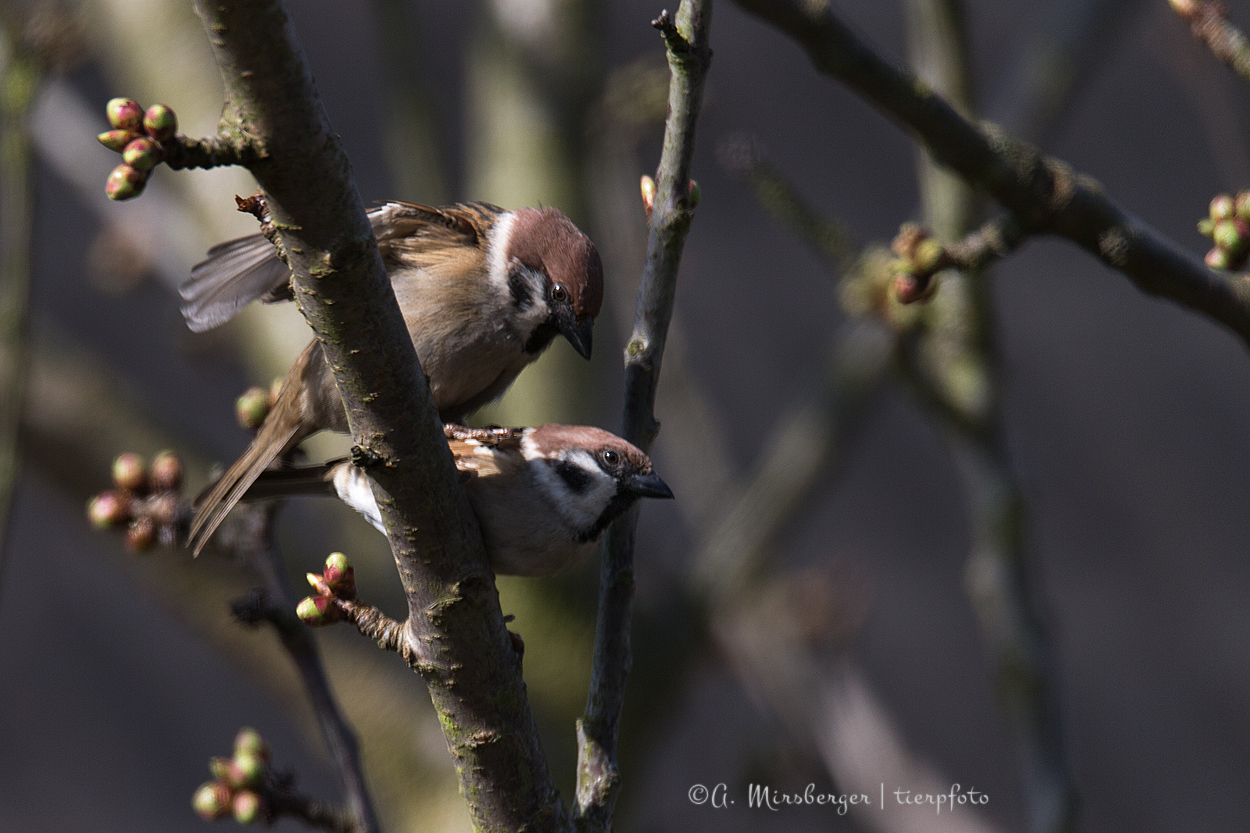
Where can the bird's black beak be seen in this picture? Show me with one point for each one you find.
(648, 485)
(580, 333)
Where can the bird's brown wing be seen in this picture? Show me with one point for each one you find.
(407, 231)
(484, 452)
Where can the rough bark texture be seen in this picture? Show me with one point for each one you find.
(455, 624)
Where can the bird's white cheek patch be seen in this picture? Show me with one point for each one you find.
(356, 491)
(497, 262)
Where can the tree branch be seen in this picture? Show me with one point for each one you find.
(1209, 23)
(255, 544)
(455, 624)
(1044, 193)
(686, 39)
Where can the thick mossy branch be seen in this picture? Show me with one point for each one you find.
(689, 57)
(455, 622)
(1044, 193)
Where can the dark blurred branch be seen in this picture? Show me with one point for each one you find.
(686, 39)
(956, 345)
(455, 624)
(19, 80)
(1045, 193)
(254, 542)
(1209, 23)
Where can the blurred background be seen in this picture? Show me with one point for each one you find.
(803, 612)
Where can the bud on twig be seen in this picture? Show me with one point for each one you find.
(252, 407)
(130, 472)
(124, 114)
(246, 770)
(340, 576)
(115, 140)
(251, 742)
(141, 534)
(108, 509)
(318, 611)
(160, 123)
(647, 187)
(166, 472)
(248, 807)
(212, 801)
(142, 154)
(125, 183)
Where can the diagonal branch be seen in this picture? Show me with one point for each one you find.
(686, 39)
(455, 623)
(1045, 193)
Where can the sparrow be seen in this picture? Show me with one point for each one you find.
(543, 496)
(482, 290)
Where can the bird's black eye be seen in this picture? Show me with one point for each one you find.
(559, 294)
(610, 458)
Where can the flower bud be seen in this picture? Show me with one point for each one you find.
(108, 509)
(340, 576)
(115, 140)
(124, 114)
(1206, 227)
(910, 235)
(245, 770)
(696, 193)
(219, 766)
(252, 407)
(251, 742)
(929, 256)
(1228, 236)
(160, 122)
(316, 611)
(142, 154)
(1241, 205)
(125, 183)
(130, 472)
(647, 187)
(212, 801)
(141, 534)
(166, 471)
(1222, 207)
(911, 289)
(1218, 258)
(248, 807)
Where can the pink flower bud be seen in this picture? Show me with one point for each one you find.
(1222, 207)
(212, 801)
(246, 770)
(909, 288)
(141, 534)
(251, 742)
(647, 186)
(340, 576)
(252, 407)
(317, 611)
(142, 154)
(220, 767)
(125, 183)
(115, 139)
(124, 114)
(1206, 227)
(167, 471)
(249, 807)
(909, 237)
(160, 122)
(108, 509)
(130, 472)
(1218, 258)
(696, 194)
(1227, 235)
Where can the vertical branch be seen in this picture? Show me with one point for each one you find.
(19, 79)
(686, 40)
(256, 545)
(959, 366)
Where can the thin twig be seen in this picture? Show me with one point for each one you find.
(455, 624)
(255, 543)
(19, 80)
(686, 39)
(1209, 23)
(1043, 192)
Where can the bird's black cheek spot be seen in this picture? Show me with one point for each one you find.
(540, 337)
(575, 477)
(522, 294)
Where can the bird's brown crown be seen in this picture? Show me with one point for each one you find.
(546, 239)
(551, 439)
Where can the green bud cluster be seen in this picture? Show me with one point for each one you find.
(137, 136)
(239, 786)
(144, 500)
(919, 258)
(338, 582)
(1228, 225)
